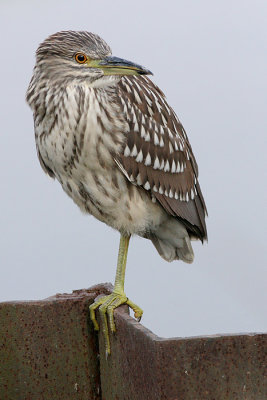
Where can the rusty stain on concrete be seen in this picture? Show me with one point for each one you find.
(48, 348)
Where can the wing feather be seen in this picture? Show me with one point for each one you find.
(157, 153)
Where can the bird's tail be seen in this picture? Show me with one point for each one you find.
(172, 241)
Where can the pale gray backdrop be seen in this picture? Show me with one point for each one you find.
(209, 57)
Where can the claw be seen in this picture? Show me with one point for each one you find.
(107, 305)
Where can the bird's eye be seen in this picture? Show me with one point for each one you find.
(80, 58)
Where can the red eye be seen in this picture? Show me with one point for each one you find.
(80, 58)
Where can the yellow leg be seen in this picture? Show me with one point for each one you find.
(107, 304)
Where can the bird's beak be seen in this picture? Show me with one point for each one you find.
(118, 66)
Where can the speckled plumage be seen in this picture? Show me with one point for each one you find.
(115, 146)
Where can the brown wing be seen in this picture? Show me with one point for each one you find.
(157, 154)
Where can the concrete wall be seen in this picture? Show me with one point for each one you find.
(49, 350)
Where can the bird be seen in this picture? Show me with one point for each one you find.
(105, 131)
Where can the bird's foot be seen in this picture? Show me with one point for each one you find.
(107, 305)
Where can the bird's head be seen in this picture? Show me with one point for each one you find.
(70, 55)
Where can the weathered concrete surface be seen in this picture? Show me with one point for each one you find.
(143, 366)
(48, 349)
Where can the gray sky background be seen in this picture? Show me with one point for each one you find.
(209, 57)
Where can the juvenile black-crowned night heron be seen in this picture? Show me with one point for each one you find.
(106, 132)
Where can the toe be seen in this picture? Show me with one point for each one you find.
(110, 311)
(138, 312)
